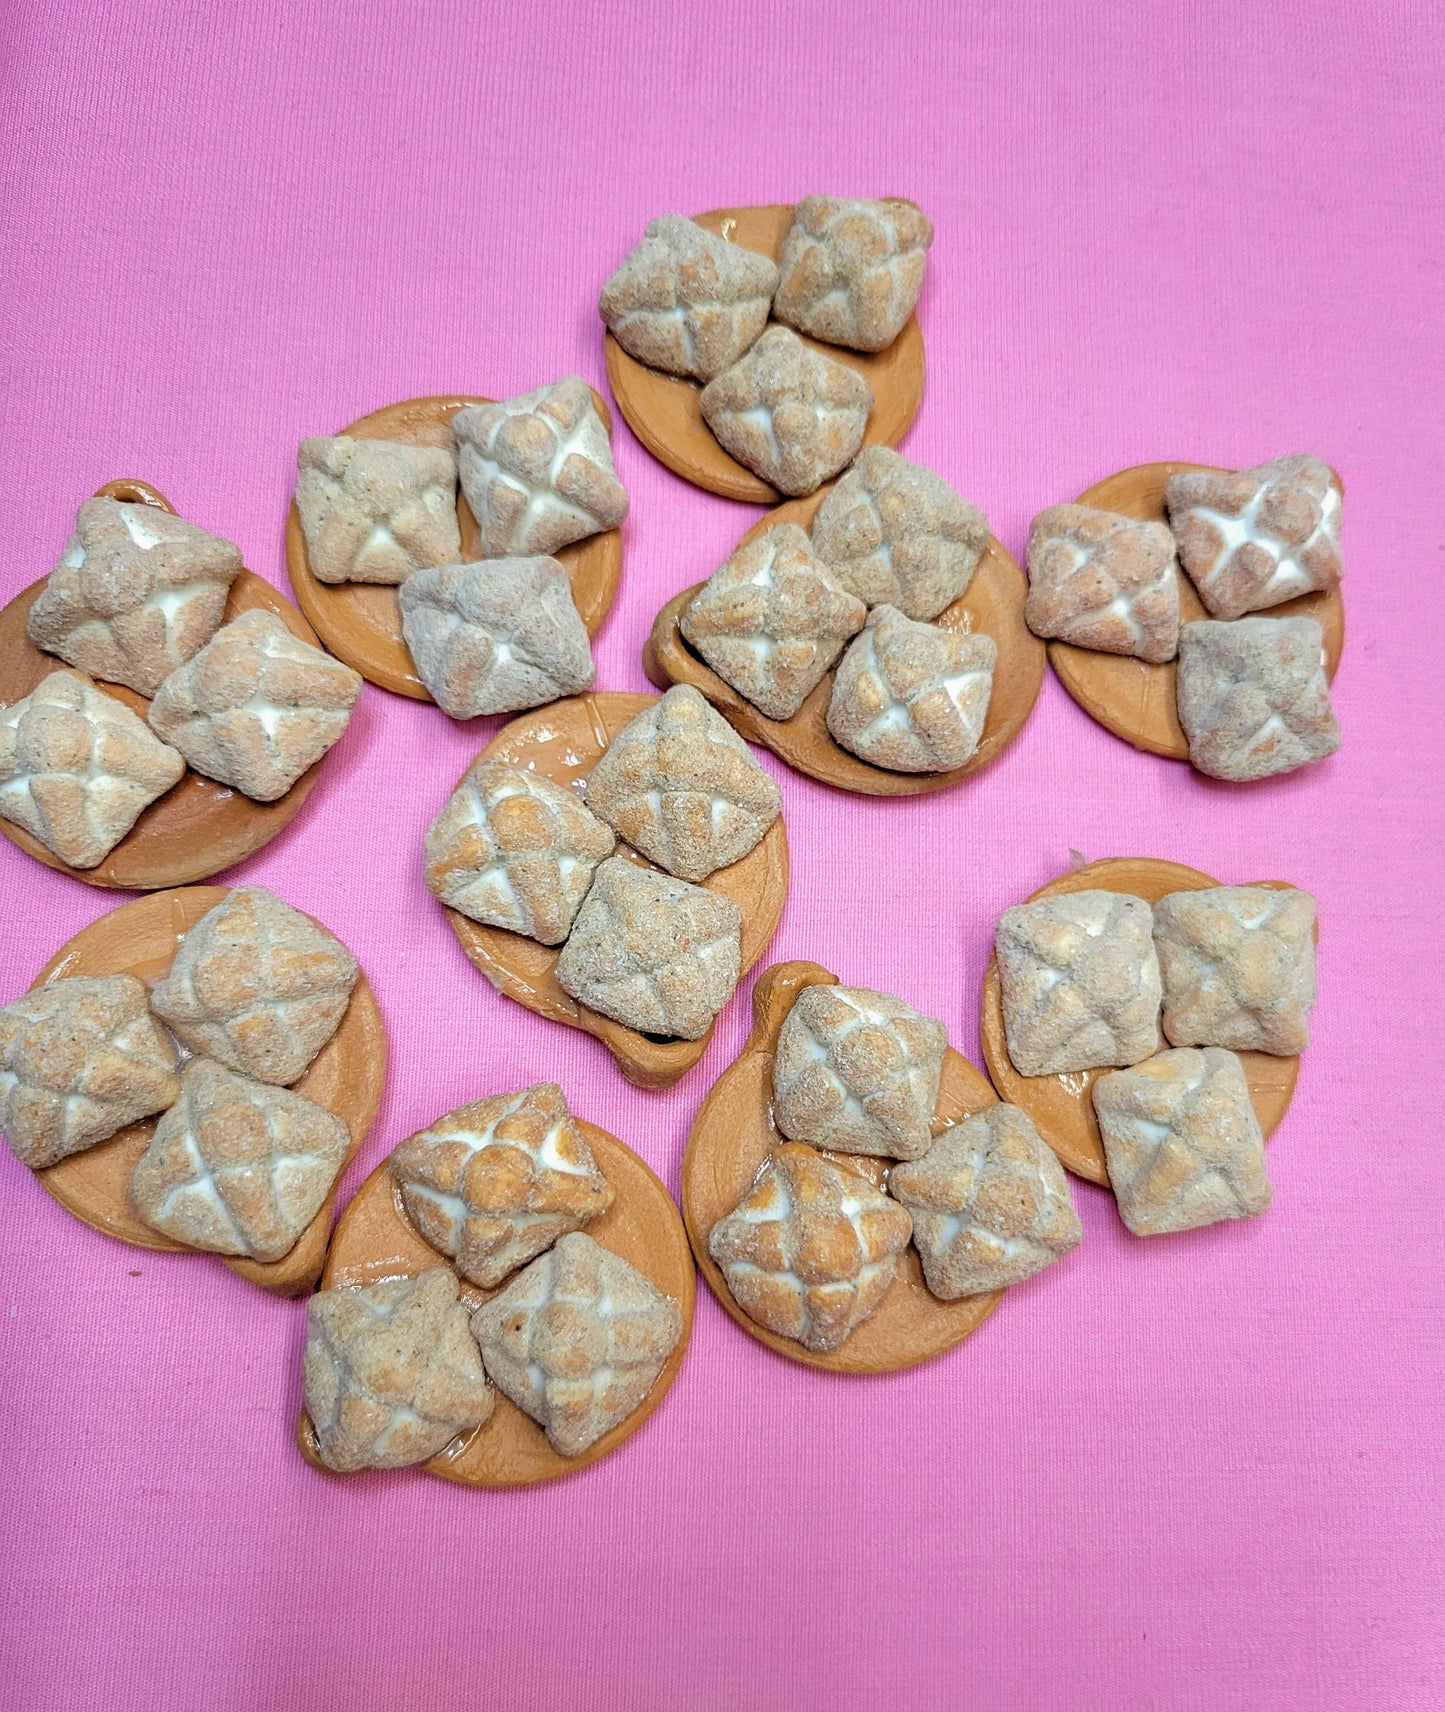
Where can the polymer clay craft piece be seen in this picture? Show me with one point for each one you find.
(1250, 539)
(256, 706)
(258, 986)
(656, 954)
(392, 1373)
(852, 269)
(496, 635)
(237, 1166)
(80, 1059)
(792, 415)
(912, 697)
(514, 850)
(577, 1340)
(1080, 982)
(989, 1202)
(1182, 1140)
(811, 1249)
(857, 1071)
(537, 470)
(771, 620)
(1238, 967)
(679, 785)
(686, 301)
(896, 534)
(77, 768)
(1253, 696)
(375, 511)
(495, 1182)
(137, 592)
(1101, 580)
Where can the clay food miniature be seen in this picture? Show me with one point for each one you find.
(258, 986)
(137, 592)
(237, 1166)
(392, 1372)
(374, 511)
(514, 850)
(77, 768)
(681, 786)
(256, 707)
(1183, 1143)
(1253, 538)
(912, 697)
(537, 470)
(79, 1060)
(1079, 980)
(857, 1071)
(686, 301)
(1100, 580)
(495, 1182)
(577, 1341)
(771, 620)
(792, 415)
(1238, 967)
(989, 1202)
(851, 269)
(812, 1248)
(1253, 696)
(896, 534)
(656, 954)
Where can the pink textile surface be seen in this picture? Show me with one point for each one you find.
(1190, 1472)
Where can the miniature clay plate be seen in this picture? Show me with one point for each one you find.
(733, 1133)
(564, 742)
(993, 603)
(375, 1240)
(664, 411)
(361, 622)
(199, 826)
(1062, 1106)
(1131, 698)
(141, 938)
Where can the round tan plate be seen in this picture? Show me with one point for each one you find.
(564, 742)
(1062, 1106)
(346, 1076)
(199, 826)
(1137, 701)
(733, 1134)
(664, 411)
(993, 603)
(361, 622)
(375, 1240)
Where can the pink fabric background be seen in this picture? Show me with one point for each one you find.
(1199, 1472)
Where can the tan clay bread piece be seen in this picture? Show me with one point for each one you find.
(1238, 967)
(687, 301)
(896, 534)
(79, 1060)
(392, 1374)
(78, 768)
(375, 511)
(496, 636)
(1100, 580)
(1182, 1140)
(851, 270)
(1250, 539)
(787, 411)
(495, 1182)
(679, 785)
(857, 1071)
(136, 593)
(258, 986)
(989, 1202)
(512, 849)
